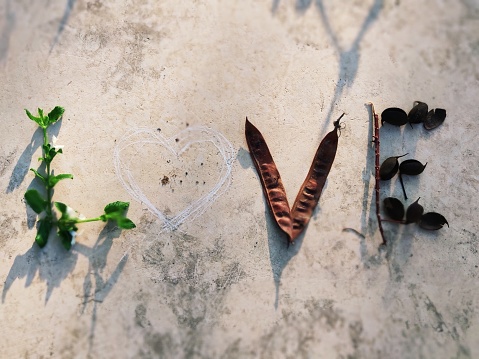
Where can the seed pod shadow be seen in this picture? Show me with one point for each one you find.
(432, 221)
(434, 118)
(414, 212)
(394, 208)
(394, 116)
(389, 167)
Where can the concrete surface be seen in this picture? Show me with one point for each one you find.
(221, 283)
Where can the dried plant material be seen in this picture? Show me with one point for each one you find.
(294, 221)
(394, 208)
(411, 167)
(389, 167)
(432, 221)
(418, 113)
(434, 118)
(394, 116)
(414, 212)
(312, 187)
(270, 179)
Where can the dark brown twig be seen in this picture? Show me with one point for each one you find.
(376, 174)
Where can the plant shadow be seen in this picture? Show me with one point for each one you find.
(64, 20)
(348, 56)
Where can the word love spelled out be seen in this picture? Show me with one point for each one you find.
(176, 145)
(292, 221)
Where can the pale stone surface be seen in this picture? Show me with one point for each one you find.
(224, 285)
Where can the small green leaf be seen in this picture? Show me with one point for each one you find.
(117, 206)
(37, 174)
(40, 112)
(43, 232)
(55, 114)
(66, 238)
(125, 223)
(35, 201)
(62, 207)
(53, 180)
(38, 120)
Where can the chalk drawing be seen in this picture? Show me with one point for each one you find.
(189, 136)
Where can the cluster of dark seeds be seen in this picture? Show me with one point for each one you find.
(414, 214)
(391, 166)
(418, 114)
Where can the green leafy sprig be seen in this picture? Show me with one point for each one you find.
(43, 204)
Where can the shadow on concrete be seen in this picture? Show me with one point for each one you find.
(348, 57)
(64, 20)
(96, 286)
(6, 30)
(53, 264)
(24, 162)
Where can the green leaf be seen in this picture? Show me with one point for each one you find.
(43, 232)
(117, 206)
(53, 180)
(40, 112)
(38, 120)
(62, 207)
(66, 238)
(125, 223)
(37, 174)
(50, 152)
(55, 114)
(35, 201)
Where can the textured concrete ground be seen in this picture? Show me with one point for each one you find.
(161, 89)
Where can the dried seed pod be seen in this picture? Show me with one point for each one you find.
(434, 118)
(394, 208)
(310, 191)
(270, 179)
(414, 212)
(389, 167)
(411, 167)
(432, 221)
(418, 113)
(394, 116)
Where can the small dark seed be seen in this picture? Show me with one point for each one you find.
(432, 221)
(394, 208)
(434, 118)
(394, 116)
(414, 212)
(418, 113)
(411, 167)
(389, 168)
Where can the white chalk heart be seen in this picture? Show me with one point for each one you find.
(176, 146)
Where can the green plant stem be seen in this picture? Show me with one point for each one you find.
(49, 209)
(88, 220)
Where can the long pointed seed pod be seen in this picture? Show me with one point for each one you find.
(270, 179)
(312, 187)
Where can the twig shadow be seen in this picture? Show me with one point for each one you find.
(6, 31)
(63, 22)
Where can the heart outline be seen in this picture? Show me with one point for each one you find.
(187, 137)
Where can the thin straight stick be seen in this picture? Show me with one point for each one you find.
(376, 148)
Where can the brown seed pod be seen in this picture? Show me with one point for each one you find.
(394, 116)
(432, 221)
(434, 118)
(411, 167)
(418, 113)
(414, 212)
(312, 187)
(394, 208)
(270, 178)
(389, 168)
